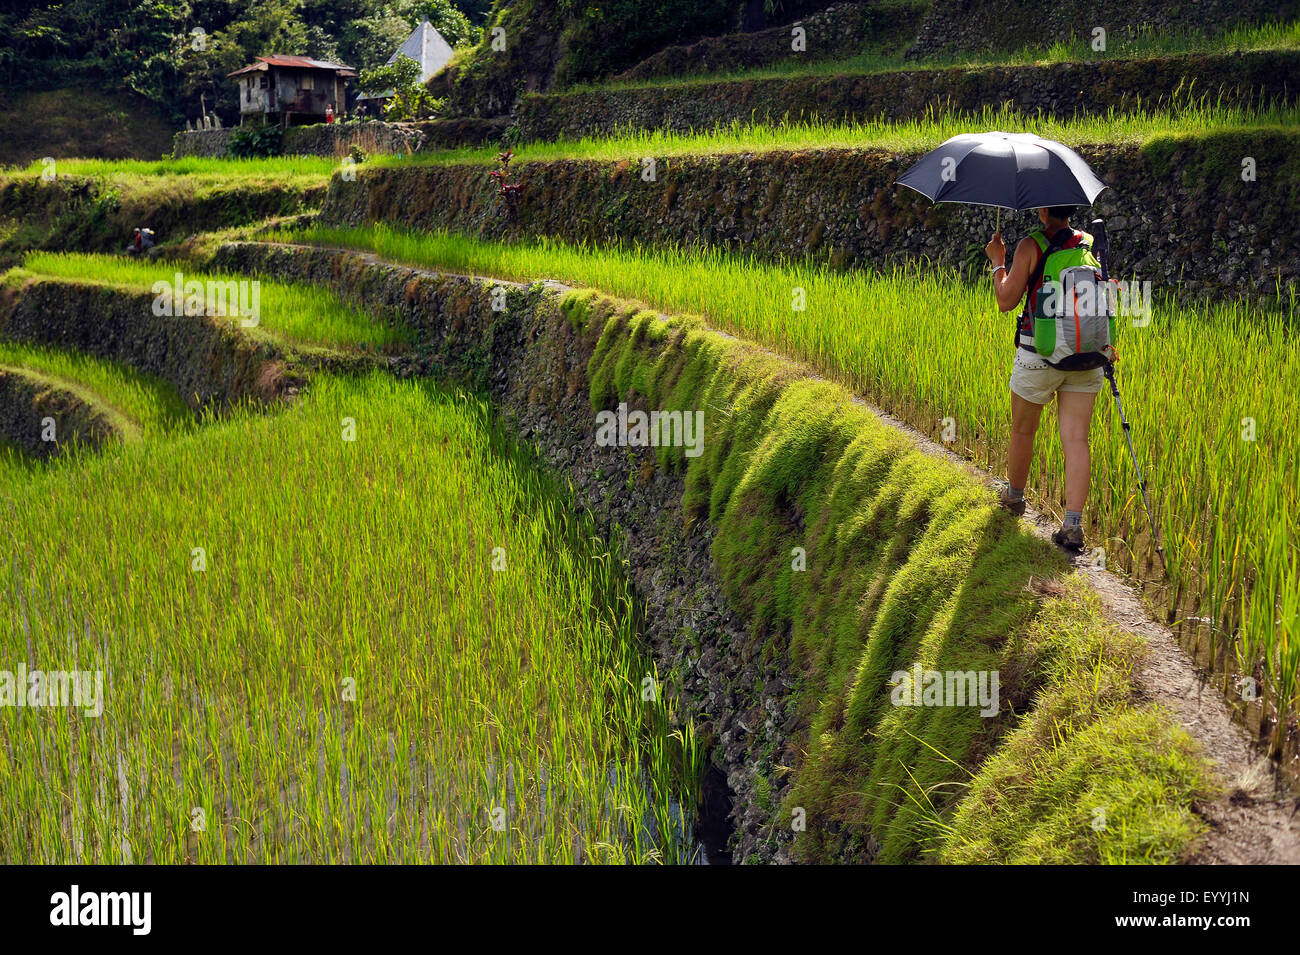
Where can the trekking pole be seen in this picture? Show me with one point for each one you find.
(1101, 248)
(1142, 484)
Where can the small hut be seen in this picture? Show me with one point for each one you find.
(291, 90)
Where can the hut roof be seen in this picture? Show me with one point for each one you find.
(295, 62)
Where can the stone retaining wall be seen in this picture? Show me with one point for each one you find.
(27, 400)
(338, 139)
(96, 214)
(209, 362)
(208, 143)
(840, 30)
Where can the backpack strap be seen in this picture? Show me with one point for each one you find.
(1041, 240)
(1064, 238)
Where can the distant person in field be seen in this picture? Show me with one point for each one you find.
(141, 241)
(329, 113)
(1034, 382)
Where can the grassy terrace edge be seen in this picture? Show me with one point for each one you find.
(914, 553)
(908, 563)
(1190, 116)
(1280, 35)
(89, 400)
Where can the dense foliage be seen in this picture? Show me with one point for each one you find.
(400, 81)
(609, 35)
(177, 53)
(250, 142)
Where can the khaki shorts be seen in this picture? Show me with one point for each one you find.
(1035, 380)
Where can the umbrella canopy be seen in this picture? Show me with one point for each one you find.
(1008, 170)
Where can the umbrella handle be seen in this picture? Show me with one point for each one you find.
(998, 226)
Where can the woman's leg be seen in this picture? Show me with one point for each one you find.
(1074, 408)
(1024, 424)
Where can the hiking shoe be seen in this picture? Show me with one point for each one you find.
(1017, 506)
(1069, 537)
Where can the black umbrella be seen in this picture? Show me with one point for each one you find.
(1006, 170)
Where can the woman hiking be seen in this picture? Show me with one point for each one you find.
(1034, 381)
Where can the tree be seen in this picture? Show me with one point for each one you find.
(320, 45)
(370, 41)
(46, 44)
(476, 10)
(270, 26)
(444, 17)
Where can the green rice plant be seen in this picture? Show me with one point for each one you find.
(1190, 113)
(274, 167)
(397, 648)
(302, 314)
(1208, 388)
(14, 462)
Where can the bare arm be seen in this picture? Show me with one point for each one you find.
(1009, 284)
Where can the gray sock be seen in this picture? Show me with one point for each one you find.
(1074, 518)
(1016, 492)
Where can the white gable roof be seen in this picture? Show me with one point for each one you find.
(427, 47)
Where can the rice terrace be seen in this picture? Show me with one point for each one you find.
(698, 432)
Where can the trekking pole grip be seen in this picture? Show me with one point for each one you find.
(1101, 246)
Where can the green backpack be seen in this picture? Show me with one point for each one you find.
(1070, 311)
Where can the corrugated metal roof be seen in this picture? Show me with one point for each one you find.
(297, 62)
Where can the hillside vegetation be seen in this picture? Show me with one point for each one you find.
(76, 121)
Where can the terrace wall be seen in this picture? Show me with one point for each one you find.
(208, 143)
(1178, 210)
(208, 362)
(1059, 90)
(338, 139)
(736, 631)
(27, 399)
